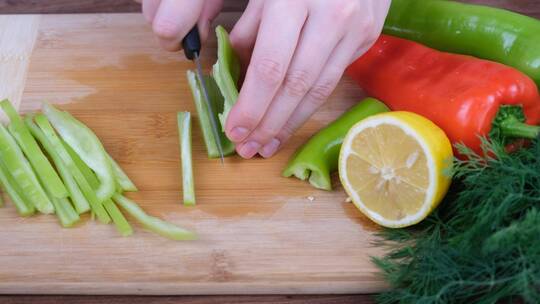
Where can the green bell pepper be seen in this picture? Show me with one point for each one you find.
(184, 134)
(316, 159)
(22, 172)
(77, 197)
(42, 167)
(24, 208)
(485, 32)
(81, 139)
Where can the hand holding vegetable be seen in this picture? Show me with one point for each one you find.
(295, 53)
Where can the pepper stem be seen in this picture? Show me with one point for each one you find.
(512, 127)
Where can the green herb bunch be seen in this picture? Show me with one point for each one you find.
(482, 245)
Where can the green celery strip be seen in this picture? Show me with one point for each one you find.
(65, 212)
(121, 177)
(79, 201)
(118, 218)
(216, 100)
(184, 132)
(85, 187)
(226, 72)
(81, 139)
(16, 195)
(42, 167)
(22, 172)
(151, 223)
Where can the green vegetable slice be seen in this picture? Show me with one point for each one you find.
(81, 139)
(22, 172)
(65, 212)
(204, 115)
(226, 72)
(184, 132)
(79, 201)
(117, 217)
(15, 193)
(151, 223)
(121, 177)
(85, 187)
(42, 167)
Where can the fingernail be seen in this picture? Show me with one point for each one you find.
(238, 134)
(249, 149)
(270, 148)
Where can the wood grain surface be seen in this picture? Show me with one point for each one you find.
(530, 7)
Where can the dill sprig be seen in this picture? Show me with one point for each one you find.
(482, 245)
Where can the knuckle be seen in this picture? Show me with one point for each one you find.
(269, 71)
(296, 83)
(346, 9)
(247, 118)
(165, 28)
(267, 132)
(320, 92)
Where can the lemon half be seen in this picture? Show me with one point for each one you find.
(395, 166)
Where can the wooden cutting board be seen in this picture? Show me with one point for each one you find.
(259, 233)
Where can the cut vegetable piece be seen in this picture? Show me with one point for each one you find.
(85, 187)
(65, 212)
(81, 139)
(79, 201)
(117, 217)
(16, 195)
(226, 72)
(41, 165)
(151, 223)
(22, 172)
(121, 177)
(216, 100)
(184, 132)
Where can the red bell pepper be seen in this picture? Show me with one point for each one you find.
(467, 97)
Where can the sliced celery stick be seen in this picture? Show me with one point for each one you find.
(16, 195)
(151, 223)
(184, 132)
(41, 165)
(22, 172)
(89, 193)
(121, 177)
(79, 201)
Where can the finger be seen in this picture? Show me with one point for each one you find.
(321, 91)
(309, 59)
(274, 48)
(209, 12)
(244, 33)
(173, 20)
(149, 9)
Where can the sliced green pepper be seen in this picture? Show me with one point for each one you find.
(151, 223)
(81, 139)
(204, 115)
(42, 167)
(123, 181)
(485, 32)
(319, 156)
(22, 172)
(226, 72)
(117, 217)
(184, 133)
(85, 187)
(79, 200)
(14, 192)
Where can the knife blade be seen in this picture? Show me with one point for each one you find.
(192, 49)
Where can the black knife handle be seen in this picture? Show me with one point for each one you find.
(192, 43)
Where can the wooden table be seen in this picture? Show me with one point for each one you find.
(530, 7)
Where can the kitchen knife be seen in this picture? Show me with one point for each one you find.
(192, 49)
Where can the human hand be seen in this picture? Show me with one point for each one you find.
(172, 19)
(297, 52)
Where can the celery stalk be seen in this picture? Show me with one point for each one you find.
(14, 192)
(89, 193)
(184, 132)
(65, 212)
(79, 201)
(22, 172)
(41, 165)
(151, 223)
(121, 177)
